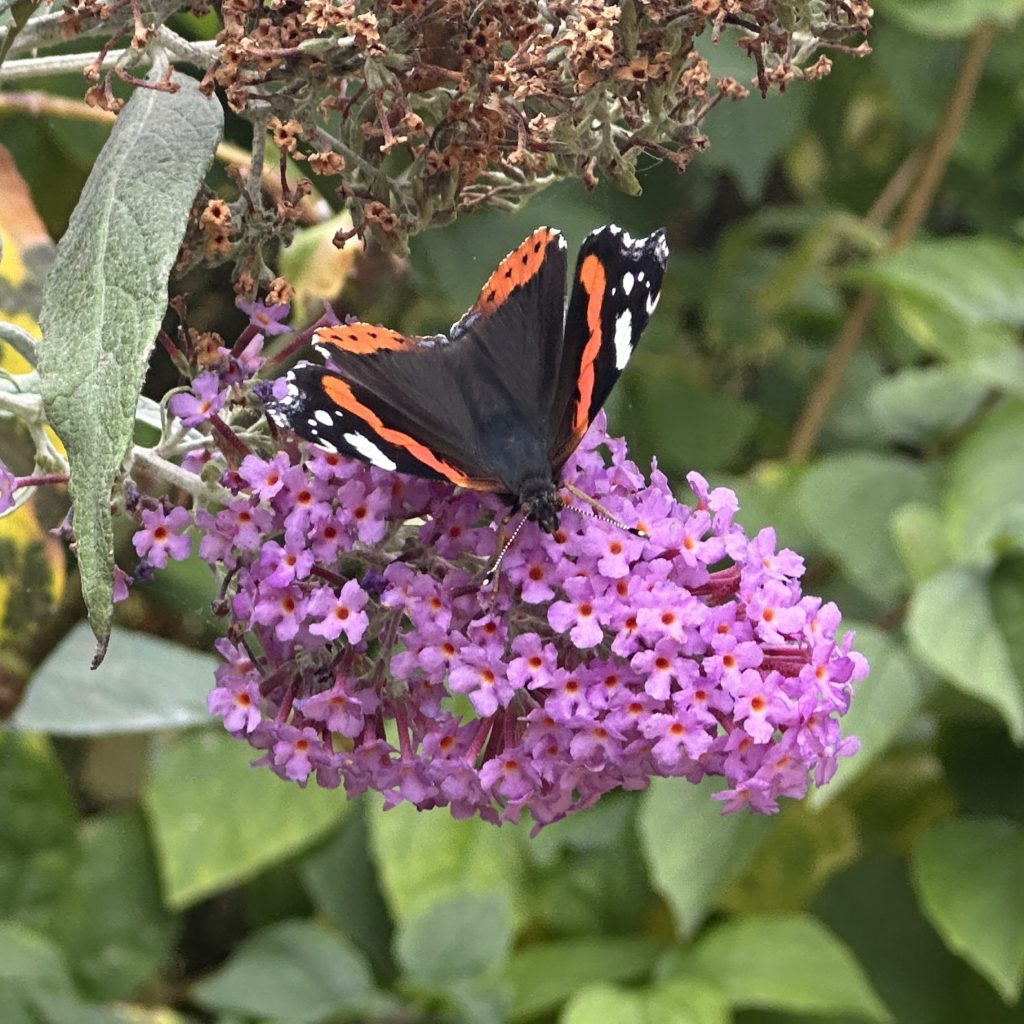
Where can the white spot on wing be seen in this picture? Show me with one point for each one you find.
(623, 339)
(652, 302)
(369, 451)
(627, 282)
(324, 417)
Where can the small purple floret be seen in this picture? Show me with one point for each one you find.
(161, 536)
(205, 399)
(266, 319)
(8, 485)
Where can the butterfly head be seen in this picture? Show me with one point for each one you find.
(540, 501)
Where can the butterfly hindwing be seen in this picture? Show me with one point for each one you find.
(311, 408)
(615, 290)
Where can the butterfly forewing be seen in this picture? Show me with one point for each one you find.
(615, 290)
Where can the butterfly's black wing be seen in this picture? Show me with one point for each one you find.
(615, 290)
(471, 408)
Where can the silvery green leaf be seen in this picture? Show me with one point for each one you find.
(105, 297)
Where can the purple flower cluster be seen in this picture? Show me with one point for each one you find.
(363, 650)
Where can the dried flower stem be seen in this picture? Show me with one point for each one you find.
(920, 199)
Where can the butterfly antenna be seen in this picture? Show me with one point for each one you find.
(492, 572)
(598, 511)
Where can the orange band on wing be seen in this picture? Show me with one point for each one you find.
(515, 270)
(361, 339)
(593, 279)
(339, 391)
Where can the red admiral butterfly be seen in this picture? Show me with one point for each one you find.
(500, 402)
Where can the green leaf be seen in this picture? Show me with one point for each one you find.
(1006, 594)
(884, 705)
(118, 933)
(38, 847)
(425, 858)
(475, 1001)
(599, 1004)
(980, 279)
(105, 296)
(802, 850)
(686, 1001)
(543, 975)
(295, 971)
(873, 908)
(969, 876)
(919, 533)
(455, 939)
(684, 424)
(587, 872)
(952, 629)
(26, 958)
(341, 880)
(680, 1001)
(914, 405)
(848, 501)
(65, 698)
(30, 966)
(217, 821)
(989, 350)
(692, 850)
(13, 1009)
(985, 501)
(785, 962)
(59, 1009)
(21, 11)
(950, 18)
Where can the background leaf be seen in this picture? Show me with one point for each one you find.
(985, 503)
(105, 297)
(969, 875)
(691, 849)
(216, 822)
(543, 975)
(426, 858)
(953, 630)
(950, 18)
(848, 501)
(789, 963)
(117, 932)
(295, 971)
(38, 846)
(979, 279)
(67, 699)
(461, 937)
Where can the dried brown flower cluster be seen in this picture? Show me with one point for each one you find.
(431, 107)
(427, 108)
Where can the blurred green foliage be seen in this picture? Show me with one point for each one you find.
(166, 875)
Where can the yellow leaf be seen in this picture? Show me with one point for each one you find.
(12, 266)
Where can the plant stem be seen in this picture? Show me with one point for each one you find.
(178, 477)
(919, 201)
(200, 54)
